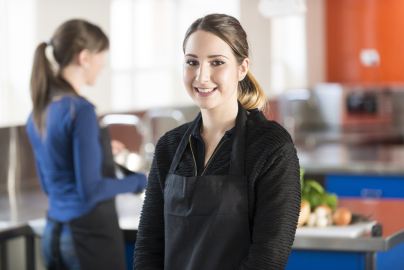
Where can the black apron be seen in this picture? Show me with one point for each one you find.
(97, 237)
(206, 217)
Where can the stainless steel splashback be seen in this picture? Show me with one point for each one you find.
(17, 164)
(398, 109)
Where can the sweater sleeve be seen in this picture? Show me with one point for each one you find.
(87, 156)
(277, 206)
(149, 250)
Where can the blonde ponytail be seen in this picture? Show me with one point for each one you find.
(250, 94)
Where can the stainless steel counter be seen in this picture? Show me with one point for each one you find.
(363, 159)
(31, 207)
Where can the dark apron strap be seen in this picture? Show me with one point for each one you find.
(183, 145)
(237, 162)
(56, 262)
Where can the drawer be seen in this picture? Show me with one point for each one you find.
(365, 186)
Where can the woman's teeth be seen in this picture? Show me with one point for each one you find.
(205, 90)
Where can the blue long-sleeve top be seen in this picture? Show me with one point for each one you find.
(69, 160)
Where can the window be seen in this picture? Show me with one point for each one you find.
(146, 49)
(288, 51)
(16, 51)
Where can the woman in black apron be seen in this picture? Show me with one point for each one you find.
(82, 230)
(224, 190)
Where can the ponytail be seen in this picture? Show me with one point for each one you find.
(42, 76)
(250, 95)
(50, 59)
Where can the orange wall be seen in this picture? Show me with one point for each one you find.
(352, 25)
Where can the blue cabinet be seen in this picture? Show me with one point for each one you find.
(365, 186)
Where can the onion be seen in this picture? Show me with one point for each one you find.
(311, 222)
(304, 213)
(342, 216)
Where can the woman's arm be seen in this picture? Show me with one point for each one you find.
(87, 158)
(277, 206)
(149, 250)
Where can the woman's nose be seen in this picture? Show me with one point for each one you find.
(203, 73)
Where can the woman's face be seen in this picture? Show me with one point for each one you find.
(94, 64)
(211, 72)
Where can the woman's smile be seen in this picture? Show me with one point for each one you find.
(205, 92)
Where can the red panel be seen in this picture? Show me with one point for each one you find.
(353, 25)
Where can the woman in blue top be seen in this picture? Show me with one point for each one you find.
(82, 230)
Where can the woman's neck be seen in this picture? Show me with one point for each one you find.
(219, 120)
(73, 75)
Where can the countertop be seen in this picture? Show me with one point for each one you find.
(30, 209)
(385, 211)
(356, 159)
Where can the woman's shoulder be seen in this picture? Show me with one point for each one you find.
(69, 101)
(171, 139)
(70, 106)
(266, 131)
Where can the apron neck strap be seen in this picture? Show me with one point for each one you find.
(237, 163)
(183, 144)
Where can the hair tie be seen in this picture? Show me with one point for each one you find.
(49, 53)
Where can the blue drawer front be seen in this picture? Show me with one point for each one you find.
(330, 260)
(365, 186)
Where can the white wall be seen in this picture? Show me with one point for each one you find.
(259, 38)
(51, 13)
(315, 23)
(15, 105)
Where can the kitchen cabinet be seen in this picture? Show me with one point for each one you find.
(365, 186)
(356, 253)
(352, 27)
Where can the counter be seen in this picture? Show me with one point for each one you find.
(23, 215)
(29, 217)
(363, 252)
(353, 159)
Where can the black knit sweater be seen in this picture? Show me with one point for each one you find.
(272, 169)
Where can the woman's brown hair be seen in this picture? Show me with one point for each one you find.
(52, 57)
(229, 29)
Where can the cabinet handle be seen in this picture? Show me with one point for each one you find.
(370, 193)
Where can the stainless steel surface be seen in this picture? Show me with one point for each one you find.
(31, 206)
(121, 119)
(362, 244)
(156, 123)
(4, 157)
(132, 161)
(340, 158)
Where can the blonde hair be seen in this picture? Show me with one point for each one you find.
(229, 29)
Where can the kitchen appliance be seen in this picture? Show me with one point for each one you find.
(352, 106)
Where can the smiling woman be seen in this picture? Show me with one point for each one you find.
(211, 73)
(224, 190)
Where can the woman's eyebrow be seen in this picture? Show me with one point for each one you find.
(209, 56)
(217, 55)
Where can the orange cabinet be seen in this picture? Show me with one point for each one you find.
(355, 25)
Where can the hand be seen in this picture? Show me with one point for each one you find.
(117, 147)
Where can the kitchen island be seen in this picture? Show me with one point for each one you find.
(364, 252)
(369, 180)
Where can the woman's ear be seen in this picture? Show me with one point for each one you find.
(243, 69)
(83, 58)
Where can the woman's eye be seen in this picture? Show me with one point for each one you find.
(190, 62)
(217, 63)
